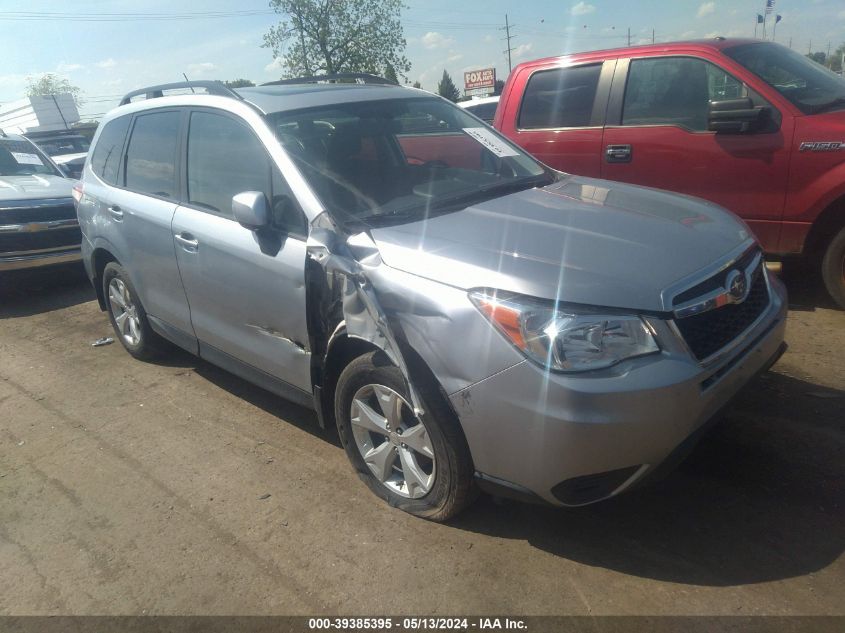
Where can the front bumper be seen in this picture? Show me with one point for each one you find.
(575, 439)
(38, 259)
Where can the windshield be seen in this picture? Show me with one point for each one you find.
(66, 145)
(808, 85)
(22, 158)
(401, 159)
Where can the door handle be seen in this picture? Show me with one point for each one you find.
(187, 241)
(115, 211)
(618, 153)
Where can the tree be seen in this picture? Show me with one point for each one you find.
(50, 84)
(239, 83)
(390, 74)
(417, 84)
(446, 88)
(819, 57)
(498, 87)
(328, 36)
(835, 60)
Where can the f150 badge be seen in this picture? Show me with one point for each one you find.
(821, 146)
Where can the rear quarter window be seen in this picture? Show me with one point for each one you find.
(561, 97)
(106, 159)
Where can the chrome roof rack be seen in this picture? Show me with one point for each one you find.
(363, 78)
(211, 87)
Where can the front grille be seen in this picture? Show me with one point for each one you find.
(38, 211)
(16, 242)
(63, 210)
(708, 332)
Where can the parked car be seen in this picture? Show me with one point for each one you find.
(465, 315)
(484, 107)
(750, 125)
(67, 148)
(38, 224)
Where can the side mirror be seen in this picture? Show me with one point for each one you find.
(251, 210)
(736, 116)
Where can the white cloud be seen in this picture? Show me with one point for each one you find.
(522, 49)
(488, 38)
(706, 9)
(433, 39)
(275, 66)
(842, 15)
(106, 63)
(64, 67)
(687, 35)
(201, 68)
(582, 8)
(454, 58)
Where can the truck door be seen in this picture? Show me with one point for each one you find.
(657, 135)
(560, 114)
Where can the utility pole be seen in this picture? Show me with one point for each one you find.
(629, 36)
(810, 48)
(652, 36)
(790, 42)
(827, 58)
(507, 29)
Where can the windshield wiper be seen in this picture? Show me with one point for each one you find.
(486, 191)
(830, 105)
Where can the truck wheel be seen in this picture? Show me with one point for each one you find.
(419, 464)
(833, 267)
(127, 315)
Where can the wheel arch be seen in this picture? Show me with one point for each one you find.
(101, 257)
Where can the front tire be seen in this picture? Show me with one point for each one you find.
(127, 315)
(833, 267)
(419, 464)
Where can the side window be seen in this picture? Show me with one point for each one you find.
(675, 91)
(562, 97)
(106, 159)
(224, 159)
(151, 155)
(286, 212)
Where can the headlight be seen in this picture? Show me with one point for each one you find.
(565, 339)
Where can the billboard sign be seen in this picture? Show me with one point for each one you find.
(484, 78)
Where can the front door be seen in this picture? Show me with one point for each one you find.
(246, 288)
(660, 139)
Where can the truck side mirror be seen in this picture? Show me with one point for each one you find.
(736, 116)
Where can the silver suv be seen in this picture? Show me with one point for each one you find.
(466, 316)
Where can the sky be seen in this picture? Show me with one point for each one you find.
(161, 39)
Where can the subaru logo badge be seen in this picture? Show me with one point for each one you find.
(737, 286)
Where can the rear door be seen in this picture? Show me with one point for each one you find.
(560, 115)
(656, 135)
(136, 198)
(246, 288)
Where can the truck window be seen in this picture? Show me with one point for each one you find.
(151, 155)
(562, 97)
(675, 91)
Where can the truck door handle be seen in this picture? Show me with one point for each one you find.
(187, 241)
(618, 153)
(115, 211)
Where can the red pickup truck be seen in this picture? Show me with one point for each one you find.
(750, 125)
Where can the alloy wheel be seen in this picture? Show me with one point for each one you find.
(393, 441)
(125, 312)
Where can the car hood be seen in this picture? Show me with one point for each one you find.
(34, 187)
(578, 240)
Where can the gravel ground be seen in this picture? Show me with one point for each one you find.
(138, 488)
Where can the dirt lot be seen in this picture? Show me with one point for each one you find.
(129, 488)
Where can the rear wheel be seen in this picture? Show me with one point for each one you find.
(833, 267)
(127, 315)
(419, 464)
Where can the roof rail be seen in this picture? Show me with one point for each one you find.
(211, 87)
(365, 78)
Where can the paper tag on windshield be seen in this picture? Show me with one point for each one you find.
(492, 142)
(26, 159)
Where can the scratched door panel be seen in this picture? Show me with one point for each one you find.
(246, 292)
